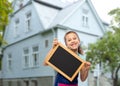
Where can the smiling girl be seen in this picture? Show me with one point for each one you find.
(72, 42)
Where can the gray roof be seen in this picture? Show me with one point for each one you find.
(57, 3)
(65, 13)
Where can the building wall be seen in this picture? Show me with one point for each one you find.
(39, 81)
(17, 65)
(18, 75)
(11, 35)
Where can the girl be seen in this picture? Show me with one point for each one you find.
(72, 42)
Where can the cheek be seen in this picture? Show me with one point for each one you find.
(67, 44)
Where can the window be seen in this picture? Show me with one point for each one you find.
(35, 56)
(26, 57)
(34, 82)
(26, 83)
(19, 3)
(0, 62)
(19, 83)
(9, 62)
(85, 21)
(28, 22)
(16, 32)
(85, 18)
(9, 83)
(46, 43)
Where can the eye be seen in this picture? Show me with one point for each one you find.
(69, 40)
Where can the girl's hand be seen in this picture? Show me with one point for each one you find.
(87, 66)
(55, 42)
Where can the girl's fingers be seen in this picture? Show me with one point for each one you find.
(87, 65)
(55, 42)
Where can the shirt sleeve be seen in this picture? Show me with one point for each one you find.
(82, 56)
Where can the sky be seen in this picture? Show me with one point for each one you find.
(104, 6)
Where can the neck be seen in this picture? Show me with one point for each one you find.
(75, 51)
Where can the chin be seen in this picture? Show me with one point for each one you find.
(74, 49)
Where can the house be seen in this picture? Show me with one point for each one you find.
(33, 26)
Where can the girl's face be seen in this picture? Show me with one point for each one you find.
(72, 41)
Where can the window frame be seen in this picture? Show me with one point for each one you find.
(9, 61)
(26, 55)
(85, 21)
(28, 17)
(35, 60)
(16, 27)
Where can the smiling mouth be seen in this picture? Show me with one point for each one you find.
(73, 44)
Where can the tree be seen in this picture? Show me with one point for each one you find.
(5, 10)
(116, 17)
(107, 49)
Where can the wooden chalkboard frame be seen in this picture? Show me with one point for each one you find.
(51, 57)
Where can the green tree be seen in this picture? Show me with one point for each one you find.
(115, 13)
(5, 10)
(107, 49)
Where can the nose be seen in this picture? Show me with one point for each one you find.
(72, 41)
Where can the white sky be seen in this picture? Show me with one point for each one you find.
(104, 6)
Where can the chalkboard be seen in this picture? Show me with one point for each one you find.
(64, 61)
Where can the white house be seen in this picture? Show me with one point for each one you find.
(33, 26)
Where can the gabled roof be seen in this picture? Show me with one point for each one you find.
(55, 3)
(51, 8)
(66, 13)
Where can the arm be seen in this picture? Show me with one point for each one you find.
(84, 71)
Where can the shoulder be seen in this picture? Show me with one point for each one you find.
(82, 56)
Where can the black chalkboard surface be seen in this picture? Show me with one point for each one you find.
(64, 61)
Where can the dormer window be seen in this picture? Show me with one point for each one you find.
(85, 18)
(28, 22)
(85, 21)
